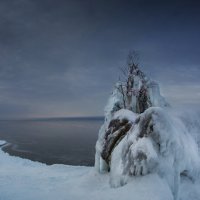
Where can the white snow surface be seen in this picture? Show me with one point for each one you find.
(2, 142)
(22, 179)
(125, 114)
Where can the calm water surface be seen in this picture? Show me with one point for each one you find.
(66, 141)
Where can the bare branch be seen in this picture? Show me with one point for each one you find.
(121, 90)
(133, 59)
(124, 71)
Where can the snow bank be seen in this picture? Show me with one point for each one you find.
(21, 179)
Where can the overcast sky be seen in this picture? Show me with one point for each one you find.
(62, 57)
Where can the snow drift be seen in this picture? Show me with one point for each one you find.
(22, 179)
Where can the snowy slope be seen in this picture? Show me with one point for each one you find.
(21, 179)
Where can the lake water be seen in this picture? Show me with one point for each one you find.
(52, 141)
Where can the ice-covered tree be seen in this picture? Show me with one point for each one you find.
(139, 136)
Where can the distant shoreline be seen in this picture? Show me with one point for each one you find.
(56, 118)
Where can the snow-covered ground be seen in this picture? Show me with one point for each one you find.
(22, 179)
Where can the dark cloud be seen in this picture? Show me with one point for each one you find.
(62, 57)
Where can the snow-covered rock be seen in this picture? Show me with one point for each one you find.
(109, 136)
(142, 136)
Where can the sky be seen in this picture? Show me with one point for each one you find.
(61, 58)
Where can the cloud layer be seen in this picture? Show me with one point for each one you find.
(61, 58)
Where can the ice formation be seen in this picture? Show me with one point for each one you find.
(141, 135)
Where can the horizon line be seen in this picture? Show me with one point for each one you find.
(51, 118)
